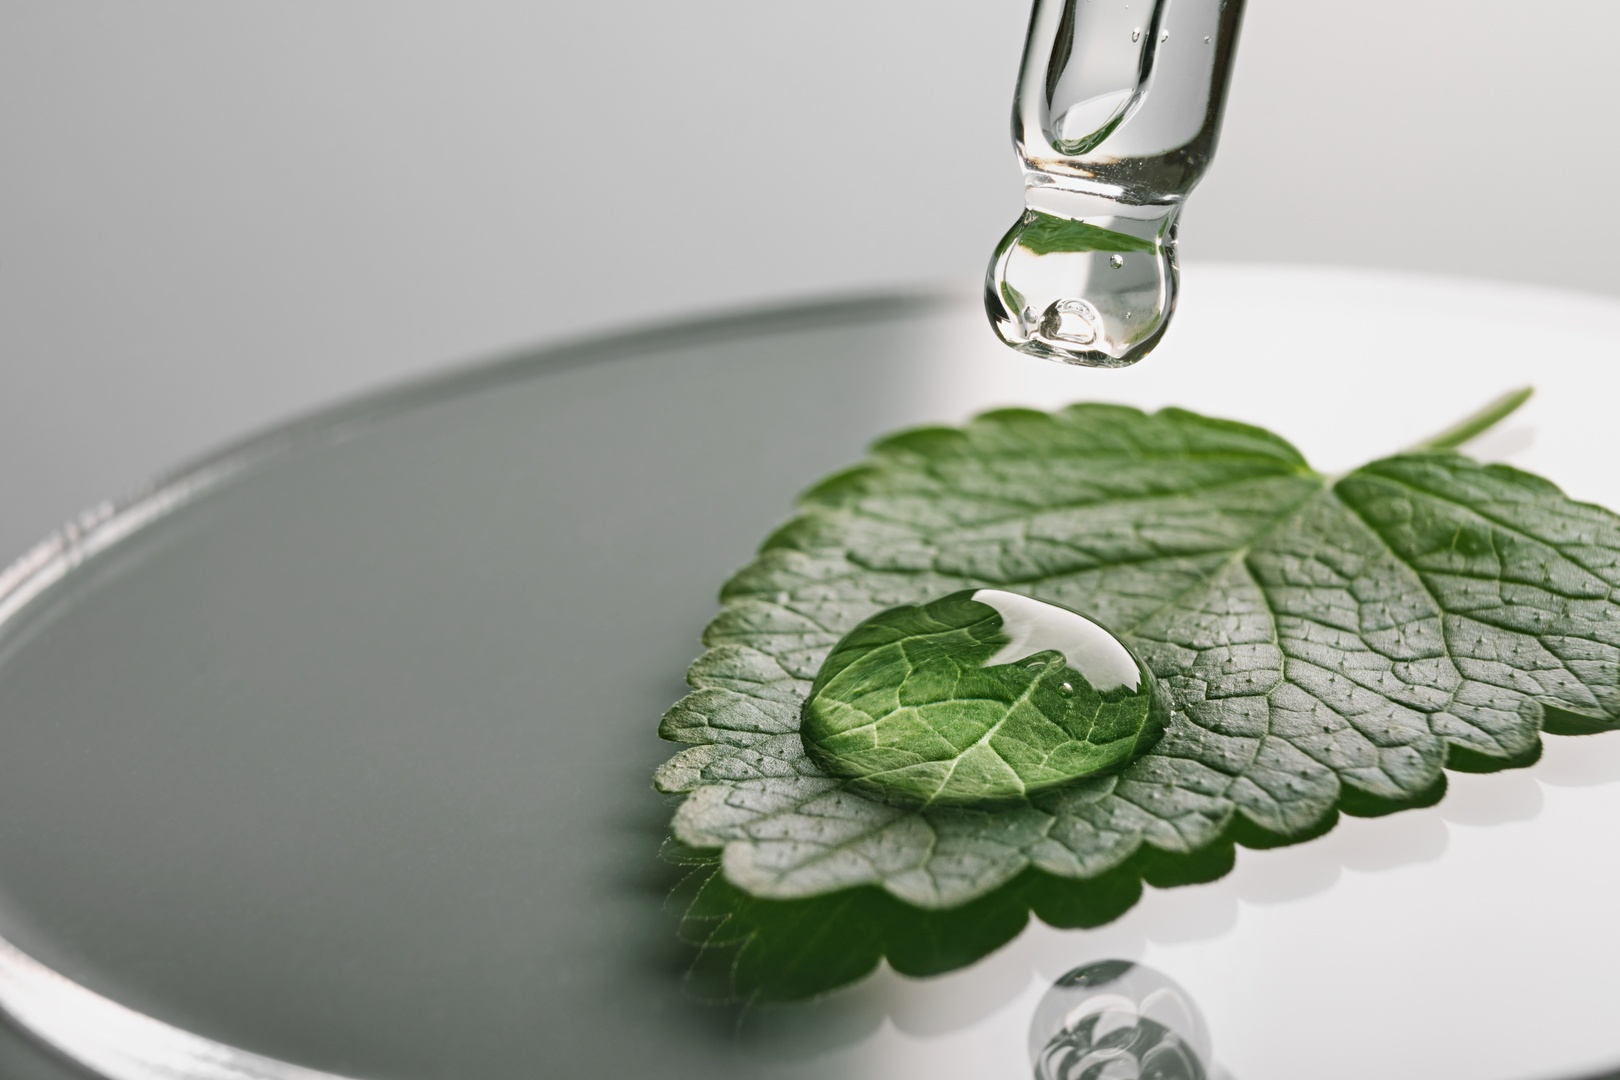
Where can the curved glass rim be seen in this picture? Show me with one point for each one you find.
(120, 1043)
(111, 520)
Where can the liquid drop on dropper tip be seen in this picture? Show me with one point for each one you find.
(1111, 142)
(1096, 291)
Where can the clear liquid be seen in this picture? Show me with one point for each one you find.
(1118, 108)
(1117, 1020)
(978, 697)
(1135, 1050)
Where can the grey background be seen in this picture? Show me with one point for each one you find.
(213, 215)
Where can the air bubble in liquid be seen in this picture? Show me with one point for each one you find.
(1112, 137)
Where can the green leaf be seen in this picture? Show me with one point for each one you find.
(752, 950)
(762, 950)
(977, 697)
(1326, 644)
(1047, 234)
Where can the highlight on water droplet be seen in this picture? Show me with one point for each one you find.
(1113, 132)
(1118, 1019)
(979, 697)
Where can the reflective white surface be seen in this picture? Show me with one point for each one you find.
(1475, 939)
(313, 904)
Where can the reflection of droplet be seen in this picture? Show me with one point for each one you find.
(1136, 34)
(1116, 261)
(1115, 1020)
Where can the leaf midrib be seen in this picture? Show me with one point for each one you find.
(1237, 555)
(956, 760)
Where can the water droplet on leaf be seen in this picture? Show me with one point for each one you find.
(980, 696)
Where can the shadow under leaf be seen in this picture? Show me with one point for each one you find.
(757, 951)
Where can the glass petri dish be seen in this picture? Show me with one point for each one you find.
(330, 756)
